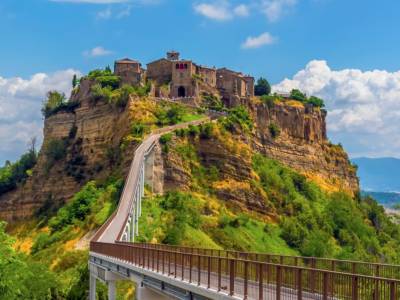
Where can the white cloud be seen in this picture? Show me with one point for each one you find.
(97, 51)
(363, 107)
(274, 9)
(221, 10)
(259, 41)
(20, 104)
(241, 10)
(116, 13)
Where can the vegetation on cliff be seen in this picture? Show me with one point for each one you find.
(15, 173)
(214, 210)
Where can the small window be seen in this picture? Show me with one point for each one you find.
(186, 66)
(181, 66)
(177, 66)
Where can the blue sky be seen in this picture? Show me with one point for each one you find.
(295, 39)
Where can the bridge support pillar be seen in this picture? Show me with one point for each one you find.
(111, 290)
(92, 287)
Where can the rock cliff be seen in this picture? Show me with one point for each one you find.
(92, 135)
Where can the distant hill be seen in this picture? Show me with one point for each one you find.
(385, 198)
(379, 174)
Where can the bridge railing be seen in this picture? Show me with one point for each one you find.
(347, 266)
(248, 279)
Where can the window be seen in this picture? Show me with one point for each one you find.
(177, 66)
(186, 66)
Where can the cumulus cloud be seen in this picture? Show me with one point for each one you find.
(363, 107)
(221, 10)
(274, 9)
(97, 51)
(20, 104)
(258, 41)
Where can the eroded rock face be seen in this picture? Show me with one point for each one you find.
(303, 145)
(91, 132)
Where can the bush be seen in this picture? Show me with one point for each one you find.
(56, 102)
(18, 172)
(212, 102)
(77, 209)
(268, 100)
(298, 95)
(206, 130)
(238, 116)
(315, 101)
(170, 116)
(262, 87)
(165, 138)
(193, 130)
(274, 130)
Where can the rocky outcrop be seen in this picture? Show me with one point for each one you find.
(91, 134)
(303, 145)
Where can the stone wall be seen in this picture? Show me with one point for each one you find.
(160, 71)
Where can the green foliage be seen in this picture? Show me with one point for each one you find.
(77, 209)
(105, 78)
(171, 116)
(165, 138)
(262, 87)
(212, 102)
(138, 130)
(75, 81)
(299, 96)
(238, 116)
(329, 225)
(206, 130)
(13, 173)
(274, 130)
(315, 101)
(21, 278)
(56, 102)
(55, 150)
(269, 100)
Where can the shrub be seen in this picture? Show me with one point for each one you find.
(315, 101)
(298, 95)
(238, 116)
(12, 174)
(274, 130)
(268, 100)
(193, 130)
(138, 130)
(55, 150)
(165, 138)
(262, 87)
(206, 130)
(77, 209)
(212, 102)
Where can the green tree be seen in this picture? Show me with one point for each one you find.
(298, 95)
(74, 81)
(54, 100)
(262, 87)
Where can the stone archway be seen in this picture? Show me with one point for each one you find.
(181, 92)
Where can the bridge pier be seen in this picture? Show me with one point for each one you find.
(92, 287)
(111, 290)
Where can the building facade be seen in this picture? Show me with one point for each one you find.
(184, 78)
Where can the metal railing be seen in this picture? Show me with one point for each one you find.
(249, 279)
(347, 266)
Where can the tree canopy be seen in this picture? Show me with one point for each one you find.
(262, 87)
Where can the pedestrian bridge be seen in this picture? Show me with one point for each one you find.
(168, 272)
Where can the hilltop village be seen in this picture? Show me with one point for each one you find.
(174, 77)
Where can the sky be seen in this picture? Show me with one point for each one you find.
(343, 51)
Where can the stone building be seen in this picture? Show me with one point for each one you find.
(130, 71)
(176, 78)
(231, 83)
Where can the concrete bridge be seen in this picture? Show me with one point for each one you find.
(166, 272)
